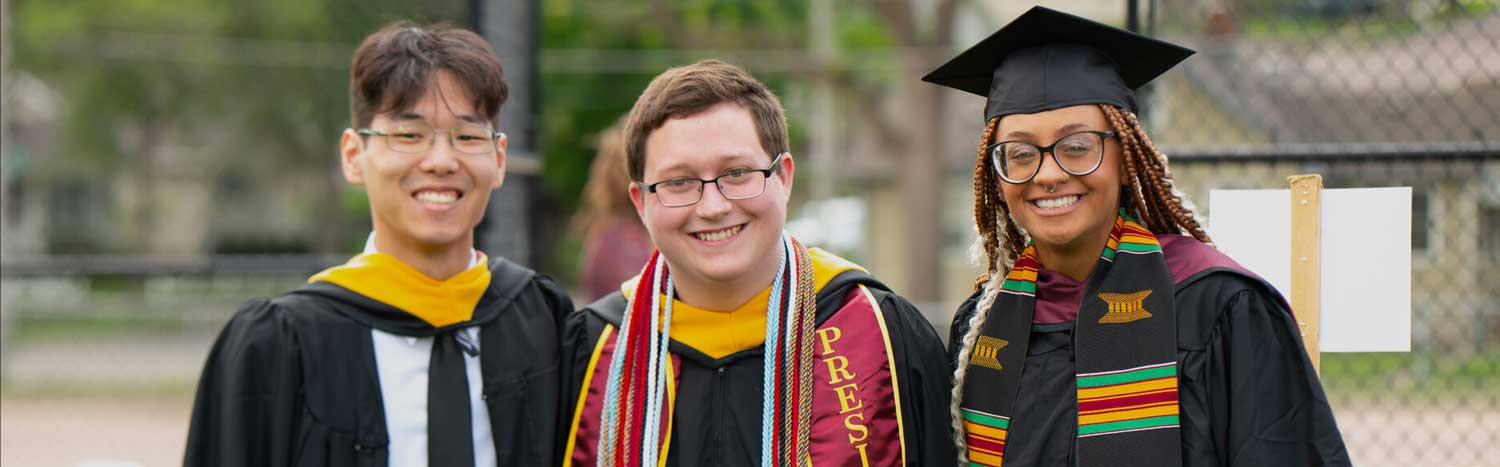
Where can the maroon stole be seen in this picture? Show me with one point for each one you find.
(856, 419)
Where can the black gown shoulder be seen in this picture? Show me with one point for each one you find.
(292, 380)
(1248, 391)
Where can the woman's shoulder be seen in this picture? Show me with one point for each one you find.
(1189, 258)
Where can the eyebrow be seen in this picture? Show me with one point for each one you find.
(471, 118)
(1069, 128)
(729, 161)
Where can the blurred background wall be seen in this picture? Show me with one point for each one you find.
(163, 161)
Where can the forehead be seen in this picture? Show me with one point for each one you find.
(442, 98)
(1050, 122)
(720, 137)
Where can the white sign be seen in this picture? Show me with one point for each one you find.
(1365, 300)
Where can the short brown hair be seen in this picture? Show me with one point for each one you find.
(393, 67)
(685, 91)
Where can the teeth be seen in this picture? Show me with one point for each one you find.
(718, 235)
(1056, 203)
(437, 197)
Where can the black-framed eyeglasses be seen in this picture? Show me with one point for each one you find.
(1078, 154)
(735, 184)
(417, 138)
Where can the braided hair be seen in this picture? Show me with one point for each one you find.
(1150, 197)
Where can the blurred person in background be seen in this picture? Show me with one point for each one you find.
(615, 244)
(1107, 330)
(737, 345)
(421, 351)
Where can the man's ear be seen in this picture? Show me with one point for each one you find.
(787, 168)
(637, 197)
(351, 148)
(500, 145)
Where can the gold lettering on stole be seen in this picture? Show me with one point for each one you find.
(848, 400)
(828, 336)
(838, 369)
(848, 395)
(854, 426)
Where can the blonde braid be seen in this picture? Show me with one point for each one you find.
(965, 352)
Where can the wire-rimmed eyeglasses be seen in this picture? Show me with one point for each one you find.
(735, 184)
(408, 138)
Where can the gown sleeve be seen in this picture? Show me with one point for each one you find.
(248, 401)
(1250, 395)
(924, 379)
(580, 333)
(561, 307)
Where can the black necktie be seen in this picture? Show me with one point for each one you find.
(450, 435)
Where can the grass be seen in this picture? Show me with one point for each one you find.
(32, 329)
(99, 390)
(1410, 376)
(1368, 28)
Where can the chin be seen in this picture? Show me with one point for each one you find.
(1056, 235)
(724, 269)
(436, 239)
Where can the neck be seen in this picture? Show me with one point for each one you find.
(437, 263)
(1076, 261)
(719, 296)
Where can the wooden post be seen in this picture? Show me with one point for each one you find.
(1306, 281)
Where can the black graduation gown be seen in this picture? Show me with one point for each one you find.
(1248, 394)
(718, 408)
(292, 380)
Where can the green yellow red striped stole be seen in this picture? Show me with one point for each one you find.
(986, 434)
(1125, 358)
(1127, 400)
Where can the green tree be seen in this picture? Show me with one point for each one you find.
(254, 91)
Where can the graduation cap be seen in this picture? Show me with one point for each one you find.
(1047, 59)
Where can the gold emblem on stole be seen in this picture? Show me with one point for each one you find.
(987, 351)
(1124, 307)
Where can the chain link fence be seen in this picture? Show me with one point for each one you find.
(1368, 93)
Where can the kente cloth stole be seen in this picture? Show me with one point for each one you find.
(852, 415)
(1125, 358)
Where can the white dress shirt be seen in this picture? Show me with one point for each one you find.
(401, 362)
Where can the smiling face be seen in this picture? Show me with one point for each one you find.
(718, 241)
(1077, 211)
(428, 201)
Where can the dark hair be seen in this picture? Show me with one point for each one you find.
(688, 90)
(393, 67)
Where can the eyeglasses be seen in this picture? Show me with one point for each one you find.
(736, 184)
(1078, 154)
(416, 138)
